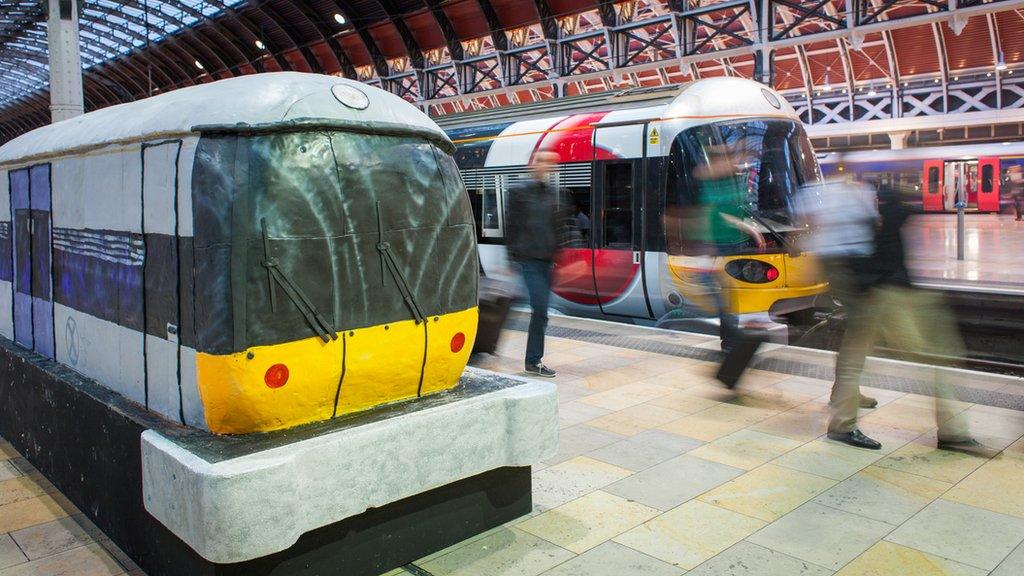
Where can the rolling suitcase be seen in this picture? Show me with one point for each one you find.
(495, 301)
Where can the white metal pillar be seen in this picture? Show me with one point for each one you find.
(898, 139)
(66, 99)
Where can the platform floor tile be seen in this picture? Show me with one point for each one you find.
(43, 534)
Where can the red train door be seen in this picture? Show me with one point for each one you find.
(931, 186)
(988, 184)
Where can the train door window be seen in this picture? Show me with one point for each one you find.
(933, 179)
(578, 200)
(987, 176)
(492, 217)
(617, 215)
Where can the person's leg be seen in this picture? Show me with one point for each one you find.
(728, 324)
(941, 335)
(857, 341)
(537, 275)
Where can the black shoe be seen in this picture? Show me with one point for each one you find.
(540, 370)
(964, 445)
(855, 438)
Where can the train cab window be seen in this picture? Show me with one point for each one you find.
(986, 178)
(617, 215)
(933, 179)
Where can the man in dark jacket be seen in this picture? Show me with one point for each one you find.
(916, 320)
(535, 219)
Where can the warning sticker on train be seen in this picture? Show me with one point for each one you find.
(654, 136)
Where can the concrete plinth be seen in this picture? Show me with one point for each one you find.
(356, 495)
(232, 507)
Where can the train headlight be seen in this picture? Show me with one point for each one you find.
(752, 271)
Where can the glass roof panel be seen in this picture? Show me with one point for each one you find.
(107, 29)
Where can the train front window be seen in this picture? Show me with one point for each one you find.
(773, 159)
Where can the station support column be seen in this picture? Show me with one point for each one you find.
(66, 98)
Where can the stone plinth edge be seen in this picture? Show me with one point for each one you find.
(259, 503)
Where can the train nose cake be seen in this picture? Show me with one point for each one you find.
(245, 255)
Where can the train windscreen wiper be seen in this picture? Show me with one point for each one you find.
(790, 248)
(276, 276)
(388, 260)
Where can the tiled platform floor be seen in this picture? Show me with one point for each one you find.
(661, 472)
(43, 534)
(992, 249)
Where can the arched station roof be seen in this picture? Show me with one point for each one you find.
(836, 60)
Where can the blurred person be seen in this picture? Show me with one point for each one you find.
(1015, 178)
(535, 221)
(721, 231)
(842, 215)
(913, 319)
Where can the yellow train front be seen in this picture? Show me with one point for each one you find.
(335, 269)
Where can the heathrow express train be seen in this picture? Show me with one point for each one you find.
(626, 169)
(975, 173)
(243, 255)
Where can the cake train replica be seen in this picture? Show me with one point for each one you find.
(235, 320)
(244, 256)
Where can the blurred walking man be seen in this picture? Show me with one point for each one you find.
(915, 320)
(721, 231)
(843, 214)
(1015, 178)
(532, 239)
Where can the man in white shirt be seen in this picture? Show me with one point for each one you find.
(843, 214)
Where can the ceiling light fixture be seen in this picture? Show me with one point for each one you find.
(339, 18)
(260, 45)
(1001, 63)
(872, 91)
(199, 65)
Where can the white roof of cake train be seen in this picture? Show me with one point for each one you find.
(257, 99)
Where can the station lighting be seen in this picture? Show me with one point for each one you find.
(871, 91)
(339, 18)
(1001, 63)
(199, 65)
(260, 45)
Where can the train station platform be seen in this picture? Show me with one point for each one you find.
(993, 251)
(661, 471)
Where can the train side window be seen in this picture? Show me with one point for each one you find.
(933, 179)
(986, 178)
(617, 216)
